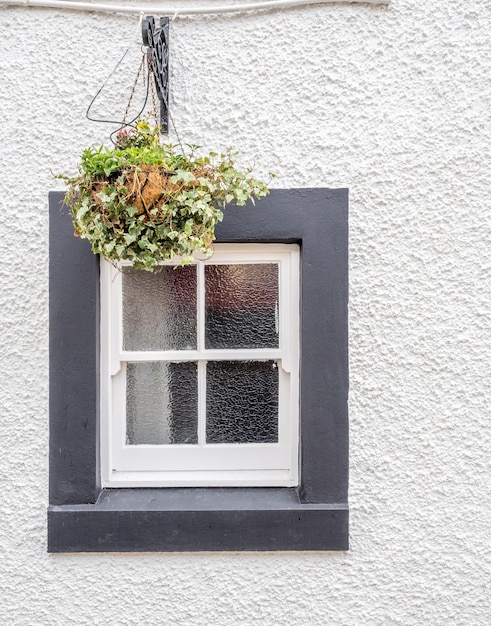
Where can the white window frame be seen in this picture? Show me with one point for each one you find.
(199, 465)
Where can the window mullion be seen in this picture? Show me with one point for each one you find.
(201, 363)
(201, 307)
(201, 403)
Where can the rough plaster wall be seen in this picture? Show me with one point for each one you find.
(392, 103)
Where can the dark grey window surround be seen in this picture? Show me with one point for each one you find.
(82, 517)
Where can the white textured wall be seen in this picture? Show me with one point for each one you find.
(393, 103)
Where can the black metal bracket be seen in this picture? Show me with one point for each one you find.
(157, 42)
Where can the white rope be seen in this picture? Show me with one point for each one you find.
(138, 31)
(176, 11)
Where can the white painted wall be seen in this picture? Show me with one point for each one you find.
(393, 103)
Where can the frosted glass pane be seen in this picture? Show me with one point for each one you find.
(241, 306)
(159, 309)
(161, 403)
(241, 402)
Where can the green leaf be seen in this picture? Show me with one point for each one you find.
(184, 176)
(82, 211)
(129, 238)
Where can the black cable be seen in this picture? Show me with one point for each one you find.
(120, 123)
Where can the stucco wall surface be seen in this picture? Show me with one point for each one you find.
(393, 103)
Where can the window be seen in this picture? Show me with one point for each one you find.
(200, 371)
(86, 513)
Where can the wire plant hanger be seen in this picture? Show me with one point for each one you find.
(145, 73)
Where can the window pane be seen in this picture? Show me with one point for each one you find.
(161, 403)
(241, 402)
(241, 306)
(159, 309)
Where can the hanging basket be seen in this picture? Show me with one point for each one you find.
(145, 202)
(148, 187)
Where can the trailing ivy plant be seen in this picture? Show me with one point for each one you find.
(146, 202)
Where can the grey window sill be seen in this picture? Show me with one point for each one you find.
(214, 519)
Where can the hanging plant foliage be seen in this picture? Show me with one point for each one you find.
(146, 202)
